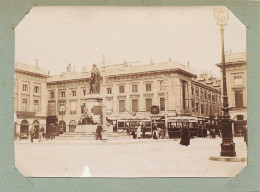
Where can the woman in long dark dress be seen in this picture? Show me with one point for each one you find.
(185, 136)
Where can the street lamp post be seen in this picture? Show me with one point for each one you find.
(62, 109)
(227, 146)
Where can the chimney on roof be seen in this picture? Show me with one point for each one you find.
(37, 62)
(69, 68)
(84, 69)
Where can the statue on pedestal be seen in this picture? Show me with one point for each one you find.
(94, 80)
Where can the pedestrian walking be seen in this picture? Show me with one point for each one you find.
(99, 132)
(41, 134)
(32, 134)
(155, 132)
(245, 135)
(185, 136)
(139, 132)
(143, 131)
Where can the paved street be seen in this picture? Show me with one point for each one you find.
(126, 158)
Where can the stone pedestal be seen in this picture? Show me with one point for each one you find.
(91, 101)
(85, 128)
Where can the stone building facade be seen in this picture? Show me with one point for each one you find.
(236, 75)
(130, 89)
(30, 97)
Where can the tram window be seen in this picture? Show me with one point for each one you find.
(121, 124)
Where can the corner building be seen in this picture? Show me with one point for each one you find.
(30, 96)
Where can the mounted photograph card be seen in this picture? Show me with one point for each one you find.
(130, 92)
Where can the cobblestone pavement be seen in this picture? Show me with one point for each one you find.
(126, 158)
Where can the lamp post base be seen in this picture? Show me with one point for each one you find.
(228, 149)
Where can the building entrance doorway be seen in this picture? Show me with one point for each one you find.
(24, 129)
(36, 125)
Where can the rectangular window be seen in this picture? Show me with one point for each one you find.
(161, 84)
(134, 88)
(121, 89)
(52, 96)
(209, 96)
(197, 107)
(51, 108)
(73, 107)
(205, 95)
(197, 93)
(201, 109)
(109, 90)
(84, 92)
(193, 105)
(134, 105)
(62, 94)
(238, 80)
(121, 105)
(148, 87)
(36, 106)
(25, 104)
(192, 91)
(62, 109)
(148, 104)
(25, 88)
(238, 98)
(162, 104)
(109, 106)
(74, 93)
(36, 89)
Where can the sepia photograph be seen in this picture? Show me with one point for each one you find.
(130, 92)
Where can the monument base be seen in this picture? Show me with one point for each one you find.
(86, 128)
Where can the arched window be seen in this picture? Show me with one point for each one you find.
(24, 129)
(72, 126)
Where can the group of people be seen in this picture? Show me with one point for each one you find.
(33, 133)
(139, 133)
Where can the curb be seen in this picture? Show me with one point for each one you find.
(229, 159)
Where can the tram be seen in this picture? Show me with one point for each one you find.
(175, 124)
(130, 125)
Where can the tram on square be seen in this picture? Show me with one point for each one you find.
(130, 125)
(175, 124)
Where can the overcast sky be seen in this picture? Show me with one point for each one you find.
(81, 35)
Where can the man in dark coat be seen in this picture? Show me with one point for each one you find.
(185, 136)
(99, 132)
(32, 133)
